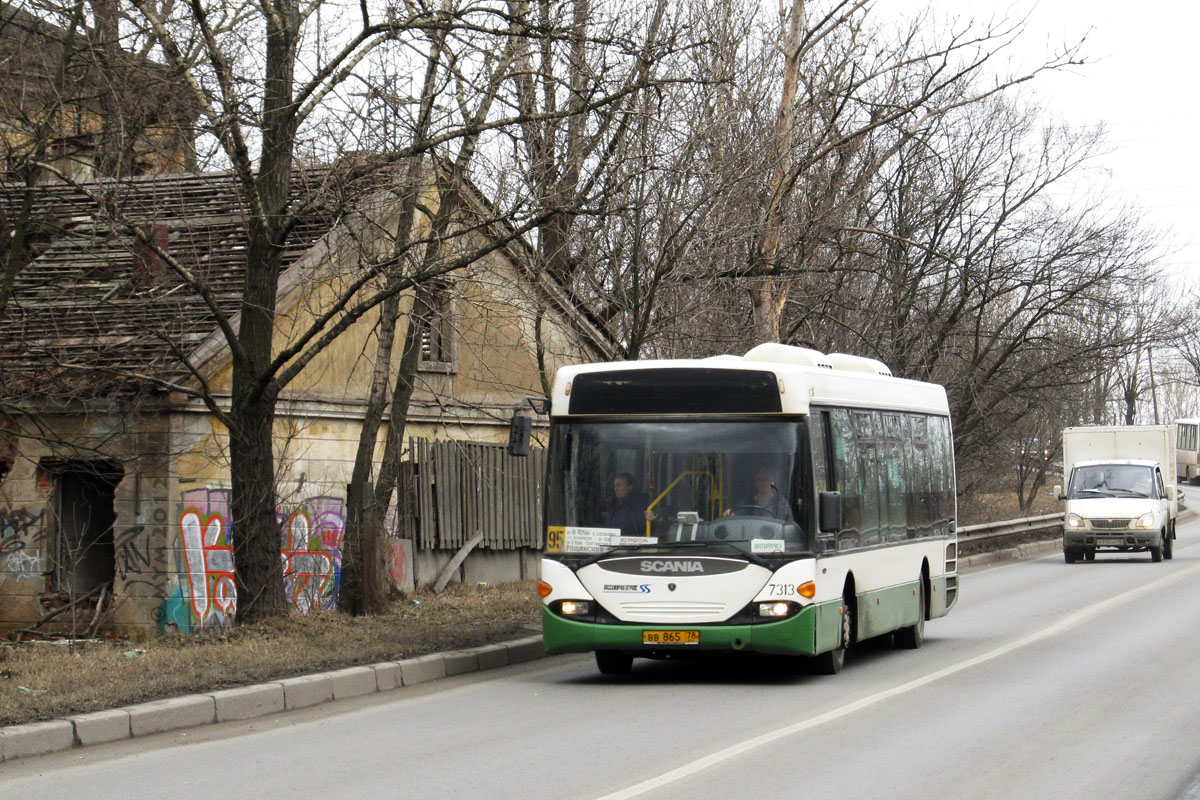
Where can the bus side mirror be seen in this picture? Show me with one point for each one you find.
(519, 429)
(829, 507)
(1058, 495)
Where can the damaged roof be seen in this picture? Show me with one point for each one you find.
(92, 312)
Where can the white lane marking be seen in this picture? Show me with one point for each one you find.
(733, 751)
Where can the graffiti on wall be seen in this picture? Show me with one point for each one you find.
(19, 529)
(142, 549)
(206, 592)
(208, 557)
(312, 553)
(23, 566)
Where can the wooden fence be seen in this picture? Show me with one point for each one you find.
(450, 491)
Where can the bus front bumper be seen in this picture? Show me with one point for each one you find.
(814, 629)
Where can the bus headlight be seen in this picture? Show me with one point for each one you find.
(1145, 522)
(776, 610)
(1074, 521)
(575, 608)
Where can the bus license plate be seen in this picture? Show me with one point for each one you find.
(1110, 542)
(670, 637)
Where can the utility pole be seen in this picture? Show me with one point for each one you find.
(1153, 383)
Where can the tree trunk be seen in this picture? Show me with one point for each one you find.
(254, 530)
(410, 357)
(769, 300)
(256, 533)
(360, 592)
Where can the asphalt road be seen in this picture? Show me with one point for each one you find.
(1047, 680)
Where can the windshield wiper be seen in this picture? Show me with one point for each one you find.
(594, 557)
(751, 557)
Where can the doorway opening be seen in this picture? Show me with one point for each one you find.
(83, 551)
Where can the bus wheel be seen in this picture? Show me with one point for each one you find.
(831, 662)
(611, 662)
(913, 636)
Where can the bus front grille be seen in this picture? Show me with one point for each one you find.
(673, 611)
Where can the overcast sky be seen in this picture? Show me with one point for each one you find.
(1140, 80)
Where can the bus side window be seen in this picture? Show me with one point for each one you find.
(919, 487)
(818, 445)
(846, 474)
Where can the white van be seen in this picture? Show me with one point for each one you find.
(1116, 497)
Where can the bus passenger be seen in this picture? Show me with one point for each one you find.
(627, 508)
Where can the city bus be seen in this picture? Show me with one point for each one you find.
(1187, 450)
(785, 502)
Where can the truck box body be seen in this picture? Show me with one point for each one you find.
(1120, 489)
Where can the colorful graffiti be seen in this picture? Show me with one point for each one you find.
(206, 593)
(208, 557)
(312, 553)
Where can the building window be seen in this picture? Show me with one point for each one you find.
(437, 330)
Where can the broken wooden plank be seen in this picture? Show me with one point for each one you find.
(444, 577)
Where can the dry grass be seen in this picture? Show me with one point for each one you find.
(43, 680)
(981, 507)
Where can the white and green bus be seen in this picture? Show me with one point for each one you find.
(784, 502)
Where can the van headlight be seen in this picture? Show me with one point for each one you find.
(1074, 521)
(1145, 522)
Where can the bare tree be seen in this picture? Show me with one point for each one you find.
(848, 104)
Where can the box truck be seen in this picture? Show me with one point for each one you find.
(1120, 490)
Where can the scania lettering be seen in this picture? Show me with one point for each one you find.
(672, 566)
(786, 502)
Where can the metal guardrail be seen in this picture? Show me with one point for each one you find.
(1009, 527)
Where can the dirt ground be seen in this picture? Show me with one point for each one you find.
(48, 679)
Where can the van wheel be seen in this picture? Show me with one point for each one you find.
(1070, 555)
(611, 662)
(1156, 552)
(913, 636)
(831, 663)
(1089, 554)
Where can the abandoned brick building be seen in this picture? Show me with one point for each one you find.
(114, 477)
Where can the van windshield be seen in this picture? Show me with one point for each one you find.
(1112, 480)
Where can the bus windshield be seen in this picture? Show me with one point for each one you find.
(678, 484)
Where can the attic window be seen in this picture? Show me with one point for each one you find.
(437, 330)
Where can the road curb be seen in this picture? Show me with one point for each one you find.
(248, 702)
(1022, 552)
